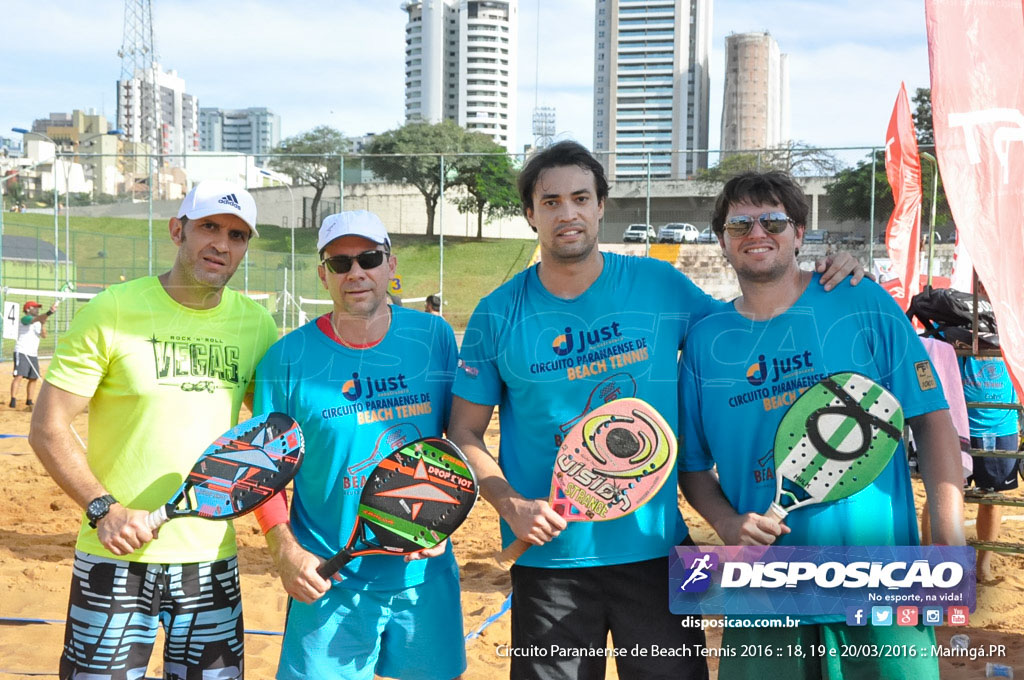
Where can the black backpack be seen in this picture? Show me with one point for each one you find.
(948, 315)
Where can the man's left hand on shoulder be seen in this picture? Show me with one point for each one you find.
(835, 268)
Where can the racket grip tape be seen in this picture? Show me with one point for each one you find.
(507, 557)
(157, 518)
(331, 566)
(776, 512)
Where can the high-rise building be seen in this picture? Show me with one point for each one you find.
(755, 105)
(85, 133)
(70, 129)
(651, 86)
(174, 127)
(254, 131)
(460, 64)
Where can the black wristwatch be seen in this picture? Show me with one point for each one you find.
(98, 508)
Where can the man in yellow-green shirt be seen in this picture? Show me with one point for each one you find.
(163, 364)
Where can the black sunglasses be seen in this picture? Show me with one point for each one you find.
(342, 264)
(771, 222)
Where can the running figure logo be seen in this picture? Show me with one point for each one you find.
(698, 577)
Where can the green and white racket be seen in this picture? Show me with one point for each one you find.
(834, 441)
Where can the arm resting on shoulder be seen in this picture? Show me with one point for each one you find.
(835, 268)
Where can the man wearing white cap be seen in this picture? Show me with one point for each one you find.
(163, 364)
(362, 380)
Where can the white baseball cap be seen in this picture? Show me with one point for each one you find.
(217, 197)
(353, 223)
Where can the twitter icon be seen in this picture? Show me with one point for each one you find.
(881, 616)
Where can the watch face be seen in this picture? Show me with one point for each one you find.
(97, 508)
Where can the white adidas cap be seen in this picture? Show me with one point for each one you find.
(217, 197)
(353, 223)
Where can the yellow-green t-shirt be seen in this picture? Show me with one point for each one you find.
(163, 381)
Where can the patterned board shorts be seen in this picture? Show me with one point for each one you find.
(116, 606)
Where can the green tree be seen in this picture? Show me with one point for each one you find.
(796, 158)
(311, 158)
(489, 180)
(923, 116)
(411, 155)
(850, 193)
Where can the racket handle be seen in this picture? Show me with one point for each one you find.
(776, 512)
(157, 518)
(507, 557)
(331, 566)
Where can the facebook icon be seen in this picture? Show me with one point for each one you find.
(855, 616)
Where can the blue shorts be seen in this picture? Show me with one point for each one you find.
(413, 634)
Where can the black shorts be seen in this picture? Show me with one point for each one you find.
(995, 474)
(556, 612)
(26, 366)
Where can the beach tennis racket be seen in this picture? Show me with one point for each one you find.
(238, 472)
(390, 439)
(414, 499)
(834, 441)
(615, 459)
(616, 386)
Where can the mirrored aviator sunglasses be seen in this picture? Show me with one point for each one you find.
(771, 222)
(342, 264)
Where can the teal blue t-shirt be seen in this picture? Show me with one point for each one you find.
(355, 406)
(544, 361)
(738, 377)
(987, 380)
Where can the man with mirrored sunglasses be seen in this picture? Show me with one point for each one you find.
(739, 226)
(361, 380)
(746, 363)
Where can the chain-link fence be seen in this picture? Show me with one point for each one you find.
(82, 222)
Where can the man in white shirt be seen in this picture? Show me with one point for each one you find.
(26, 349)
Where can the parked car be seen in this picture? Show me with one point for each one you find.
(853, 239)
(678, 232)
(707, 236)
(816, 236)
(638, 233)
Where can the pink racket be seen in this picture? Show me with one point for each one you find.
(616, 386)
(615, 459)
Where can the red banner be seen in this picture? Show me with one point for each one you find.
(903, 168)
(977, 70)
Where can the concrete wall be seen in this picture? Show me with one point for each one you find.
(708, 268)
(401, 208)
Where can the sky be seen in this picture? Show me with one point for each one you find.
(341, 62)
